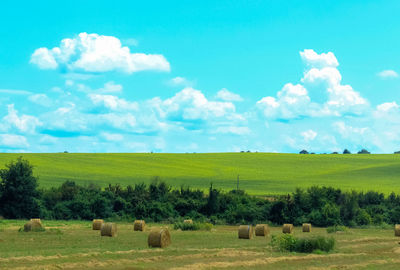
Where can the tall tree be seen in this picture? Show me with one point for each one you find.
(18, 194)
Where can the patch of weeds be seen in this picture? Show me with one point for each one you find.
(315, 244)
(336, 228)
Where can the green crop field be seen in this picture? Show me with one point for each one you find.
(259, 173)
(74, 245)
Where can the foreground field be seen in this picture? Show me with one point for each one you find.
(260, 173)
(73, 245)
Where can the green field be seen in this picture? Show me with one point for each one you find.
(260, 173)
(73, 245)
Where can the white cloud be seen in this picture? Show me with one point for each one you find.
(47, 140)
(110, 87)
(309, 135)
(96, 53)
(191, 104)
(293, 101)
(15, 92)
(41, 99)
(348, 131)
(234, 130)
(180, 81)
(226, 95)
(387, 107)
(388, 74)
(311, 58)
(112, 102)
(13, 141)
(23, 123)
(112, 137)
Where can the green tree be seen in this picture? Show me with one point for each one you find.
(18, 190)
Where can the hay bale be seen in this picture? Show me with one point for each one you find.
(245, 232)
(287, 228)
(188, 221)
(306, 227)
(108, 229)
(397, 230)
(262, 230)
(34, 225)
(139, 225)
(96, 224)
(159, 238)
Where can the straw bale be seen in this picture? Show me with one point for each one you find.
(287, 228)
(262, 230)
(96, 224)
(159, 238)
(139, 225)
(306, 227)
(397, 230)
(245, 232)
(108, 229)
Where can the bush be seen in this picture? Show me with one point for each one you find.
(288, 242)
(206, 226)
(187, 226)
(336, 228)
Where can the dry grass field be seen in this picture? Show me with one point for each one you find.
(74, 245)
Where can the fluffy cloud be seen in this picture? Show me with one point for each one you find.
(233, 130)
(96, 53)
(313, 59)
(388, 74)
(41, 99)
(226, 95)
(323, 77)
(179, 81)
(13, 141)
(112, 102)
(22, 123)
(309, 135)
(190, 104)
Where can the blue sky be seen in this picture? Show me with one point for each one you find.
(186, 76)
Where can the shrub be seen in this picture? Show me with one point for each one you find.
(193, 226)
(288, 242)
(336, 228)
(206, 226)
(187, 226)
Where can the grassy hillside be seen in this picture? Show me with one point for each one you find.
(260, 173)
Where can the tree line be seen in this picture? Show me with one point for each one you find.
(158, 202)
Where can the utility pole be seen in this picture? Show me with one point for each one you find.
(237, 184)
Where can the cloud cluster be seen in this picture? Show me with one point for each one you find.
(321, 76)
(95, 53)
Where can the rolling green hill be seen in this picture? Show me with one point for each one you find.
(260, 173)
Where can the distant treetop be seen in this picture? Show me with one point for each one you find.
(346, 151)
(303, 151)
(364, 151)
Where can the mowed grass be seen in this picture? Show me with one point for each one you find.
(259, 173)
(73, 245)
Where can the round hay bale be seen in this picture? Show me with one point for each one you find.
(108, 229)
(96, 224)
(159, 238)
(397, 230)
(33, 226)
(306, 227)
(245, 232)
(262, 230)
(188, 221)
(287, 228)
(139, 225)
